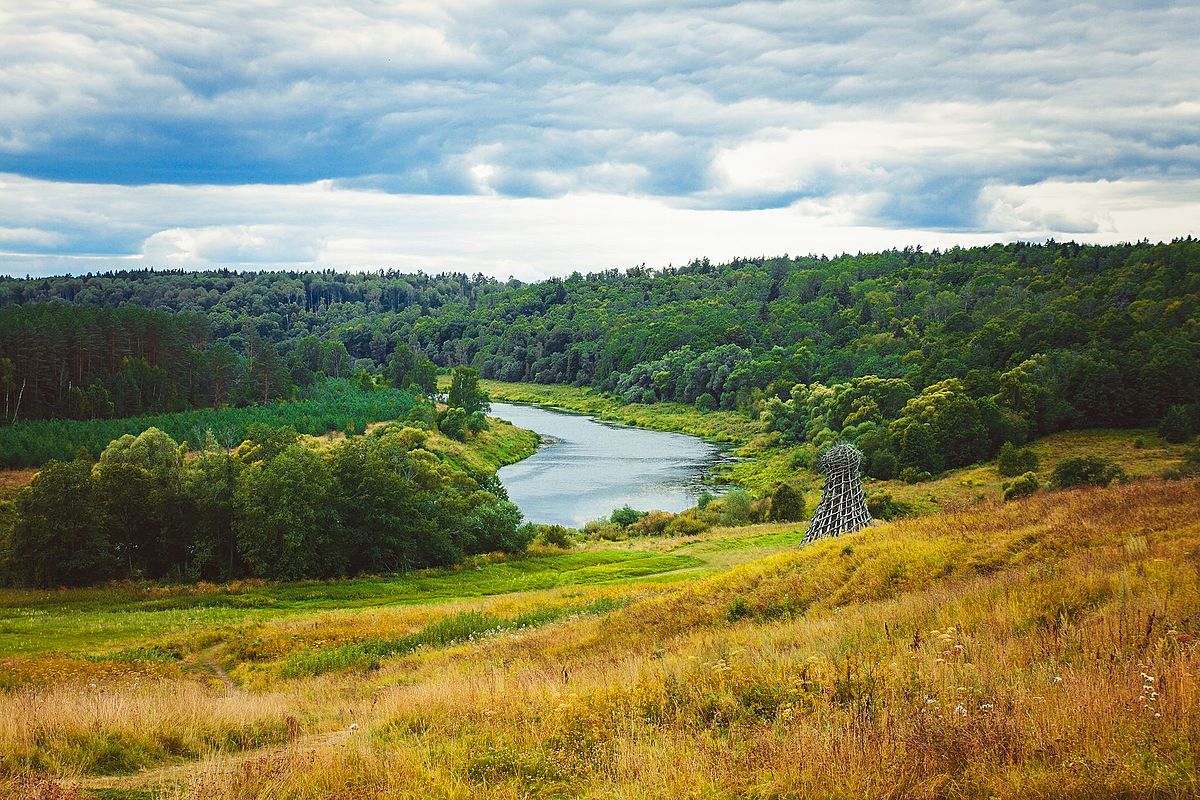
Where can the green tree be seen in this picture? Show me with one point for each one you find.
(453, 422)
(57, 540)
(410, 368)
(465, 392)
(285, 521)
(1176, 425)
(787, 504)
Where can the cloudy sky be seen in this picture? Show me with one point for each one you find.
(523, 138)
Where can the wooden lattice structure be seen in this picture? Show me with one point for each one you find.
(843, 508)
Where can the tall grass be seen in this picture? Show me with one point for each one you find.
(1048, 647)
(106, 729)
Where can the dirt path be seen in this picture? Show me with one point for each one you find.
(208, 659)
(179, 774)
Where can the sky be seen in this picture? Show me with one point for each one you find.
(528, 139)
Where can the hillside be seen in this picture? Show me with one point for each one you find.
(1042, 647)
(928, 361)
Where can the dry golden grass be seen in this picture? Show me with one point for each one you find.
(1043, 648)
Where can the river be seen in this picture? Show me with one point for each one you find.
(587, 467)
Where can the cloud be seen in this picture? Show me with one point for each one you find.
(899, 116)
(324, 224)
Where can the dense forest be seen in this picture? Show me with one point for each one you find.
(926, 359)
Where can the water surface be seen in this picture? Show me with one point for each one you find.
(586, 467)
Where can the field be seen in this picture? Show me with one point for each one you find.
(1039, 648)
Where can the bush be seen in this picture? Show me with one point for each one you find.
(739, 609)
(1023, 486)
(653, 523)
(685, 525)
(626, 516)
(911, 475)
(731, 509)
(706, 402)
(555, 536)
(883, 465)
(1015, 461)
(884, 506)
(787, 505)
(1176, 425)
(605, 531)
(453, 423)
(1085, 471)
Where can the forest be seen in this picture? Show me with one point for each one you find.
(926, 359)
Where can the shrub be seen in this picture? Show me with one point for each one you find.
(603, 529)
(653, 523)
(1085, 471)
(1176, 425)
(732, 509)
(883, 465)
(787, 505)
(706, 402)
(1023, 486)
(738, 609)
(883, 506)
(626, 516)
(1015, 460)
(453, 423)
(685, 524)
(555, 536)
(911, 475)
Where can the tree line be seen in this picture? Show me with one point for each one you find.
(59, 361)
(275, 507)
(1038, 337)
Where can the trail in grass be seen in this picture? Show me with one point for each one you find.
(176, 775)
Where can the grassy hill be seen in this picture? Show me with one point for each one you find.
(1045, 647)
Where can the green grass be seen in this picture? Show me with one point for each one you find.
(729, 427)
(454, 629)
(97, 620)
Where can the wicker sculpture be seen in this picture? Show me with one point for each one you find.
(842, 509)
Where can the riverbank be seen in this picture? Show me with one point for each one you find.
(763, 461)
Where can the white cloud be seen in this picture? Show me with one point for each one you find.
(325, 225)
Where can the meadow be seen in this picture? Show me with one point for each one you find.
(1045, 647)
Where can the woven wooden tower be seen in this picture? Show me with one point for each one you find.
(843, 508)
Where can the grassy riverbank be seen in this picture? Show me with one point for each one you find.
(764, 461)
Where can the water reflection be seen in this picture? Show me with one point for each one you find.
(585, 467)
